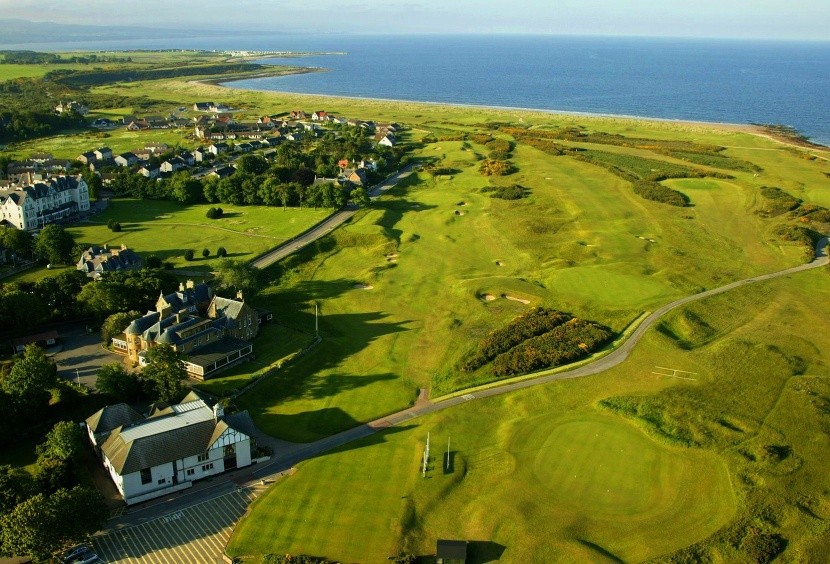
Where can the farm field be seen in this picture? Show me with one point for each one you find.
(168, 229)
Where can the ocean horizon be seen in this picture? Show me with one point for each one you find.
(707, 80)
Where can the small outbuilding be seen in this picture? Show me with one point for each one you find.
(451, 552)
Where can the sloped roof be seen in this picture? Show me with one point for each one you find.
(159, 440)
(227, 307)
(112, 416)
(140, 325)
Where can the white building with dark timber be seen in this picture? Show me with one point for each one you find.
(168, 450)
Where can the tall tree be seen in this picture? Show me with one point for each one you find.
(164, 372)
(30, 380)
(360, 197)
(15, 487)
(17, 241)
(233, 275)
(55, 245)
(114, 380)
(42, 524)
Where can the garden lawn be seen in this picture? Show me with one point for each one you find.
(167, 229)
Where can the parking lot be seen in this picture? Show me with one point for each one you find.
(196, 534)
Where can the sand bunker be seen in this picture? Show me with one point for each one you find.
(363, 287)
(488, 297)
(515, 299)
(499, 263)
(459, 212)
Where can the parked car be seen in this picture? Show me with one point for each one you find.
(82, 555)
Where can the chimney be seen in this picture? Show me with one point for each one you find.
(190, 284)
(239, 296)
(218, 411)
(181, 286)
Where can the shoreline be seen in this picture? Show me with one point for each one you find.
(755, 129)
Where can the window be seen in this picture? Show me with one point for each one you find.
(191, 471)
(230, 450)
(203, 457)
(146, 476)
(206, 467)
(161, 481)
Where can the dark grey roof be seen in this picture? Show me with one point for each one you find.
(217, 350)
(227, 307)
(112, 416)
(153, 450)
(141, 324)
(451, 549)
(241, 421)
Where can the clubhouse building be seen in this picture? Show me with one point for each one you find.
(212, 332)
(32, 206)
(170, 448)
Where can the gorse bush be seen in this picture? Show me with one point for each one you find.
(535, 322)
(567, 343)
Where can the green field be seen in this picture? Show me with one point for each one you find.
(168, 229)
(549, 475)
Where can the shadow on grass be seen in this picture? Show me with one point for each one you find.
(480, 552)
(393, 212)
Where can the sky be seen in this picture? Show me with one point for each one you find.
(769, 19)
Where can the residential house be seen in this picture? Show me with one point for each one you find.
(387, 140)
(319, 116)
(222, 172)
(72, 106)
(188, 158)
(244, 147)
(41, 157)
(138, 125)
(149, 171)
(97, 260)
(87, 158)
(218, 148)
(165, 452)
(157, 148)
(126, 159)
(297, 114)
(173, 164)
(33, 206)
(203, 106)
(353, 176)
(200, 154)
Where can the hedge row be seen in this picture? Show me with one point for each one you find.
(566, 343)
(535, 322)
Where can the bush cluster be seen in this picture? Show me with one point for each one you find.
(777, 201)
(492, 167)
(535, 322)
(215, 213)
(658, 193)
(114, 226)
(512, 192)
(566, 343)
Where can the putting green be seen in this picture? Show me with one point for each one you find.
(608, 287)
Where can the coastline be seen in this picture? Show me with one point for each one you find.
(755, 129)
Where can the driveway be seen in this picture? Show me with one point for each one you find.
(82, 355)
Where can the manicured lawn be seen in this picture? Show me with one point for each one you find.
(167, 230)
(588, 483)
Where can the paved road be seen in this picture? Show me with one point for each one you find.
(327, 225)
